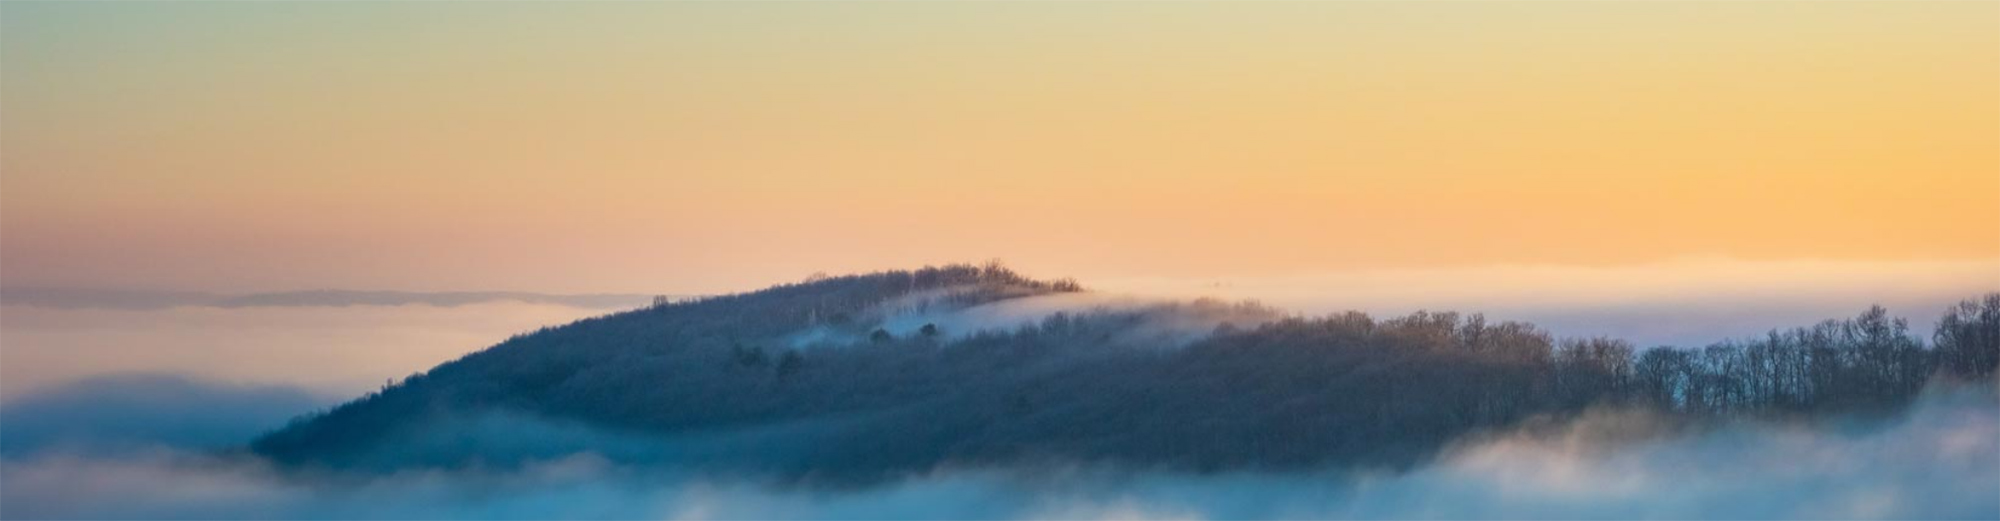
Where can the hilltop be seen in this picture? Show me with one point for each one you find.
(861, 377)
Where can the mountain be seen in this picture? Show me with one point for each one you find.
(858, 378)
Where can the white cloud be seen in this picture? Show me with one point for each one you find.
(1940, 460)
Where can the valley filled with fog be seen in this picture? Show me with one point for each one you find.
(154, 405)
(1938, 461)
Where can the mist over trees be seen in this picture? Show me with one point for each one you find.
(854, 378)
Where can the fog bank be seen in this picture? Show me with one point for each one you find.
(333, 350)
(120, 414)
(1936, 461)
(101, 298)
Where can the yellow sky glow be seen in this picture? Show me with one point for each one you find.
(713, 146)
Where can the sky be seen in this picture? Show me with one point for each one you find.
(695, 147)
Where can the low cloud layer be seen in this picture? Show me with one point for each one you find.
(1938, 460)
(87, 298)
(122, 414)
(95, 449)
(333, 350)
(334, 346)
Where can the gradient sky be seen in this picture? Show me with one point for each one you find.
(710, 146)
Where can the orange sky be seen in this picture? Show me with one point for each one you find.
(709, 146)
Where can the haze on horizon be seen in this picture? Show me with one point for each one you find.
(703, 147)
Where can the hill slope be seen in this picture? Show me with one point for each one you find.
(863, 377)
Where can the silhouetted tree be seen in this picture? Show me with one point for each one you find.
(1968, 338)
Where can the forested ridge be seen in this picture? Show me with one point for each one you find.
(866, 376)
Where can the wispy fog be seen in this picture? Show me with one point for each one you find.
(137, 411)
(1936, 461)
(349, 342)
(335, 350)
(129, 413)
(1688, 302)
(1161, 322)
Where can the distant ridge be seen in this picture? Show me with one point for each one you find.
(95, 298)
(853, 379)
